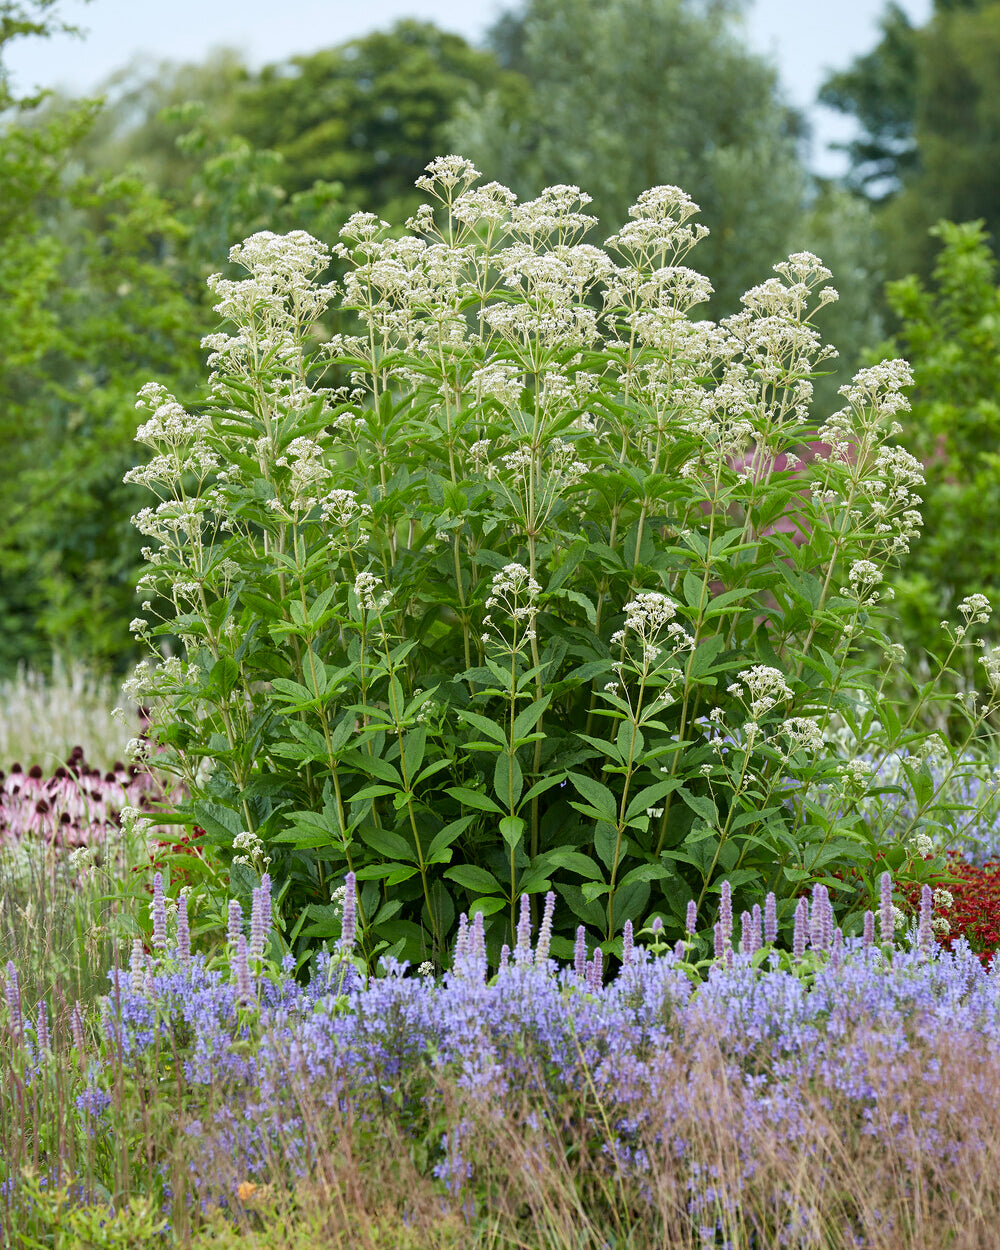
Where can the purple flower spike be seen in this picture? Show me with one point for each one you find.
(771, 919)
(925, 930)
(837, 948)
(746, 942)
(691, 922)
(42, 1028)
(12, 992)
(159, 939)
(462, 940)
(545, 930)
(868, 936)
(183, 934)
(679, 951)
(76, 1028)
(594, 971)
(887, 922)
(726, 912)
(137, 965)
(719, 940)
(755, 927)
(627, 943)
(580, 951)
(260, 918)
(819, 939)
(235, 922)
(504, 956)
(522, 949)
(241, 966)
(800, 934)
(349, 924)
(657, 926)
(477, 947)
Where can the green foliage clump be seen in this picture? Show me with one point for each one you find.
(538, 594)
(949, 329)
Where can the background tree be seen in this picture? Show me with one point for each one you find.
(928, 103)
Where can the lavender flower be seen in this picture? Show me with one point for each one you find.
(868, 935)
(260, 917)
(12, 992)
(159, 910)
(925, 931)
(235, 923)
(183, 934)
(348, 925)
(691, 921)
(594, 971)
(580, 951)
(241, 967)
(76, 1029)
(770, 918)
(42, 1029)
(726, 912)
(137, 966)
(522, 949)
(627, 944)
(887, 921)
(800, 934)
(545, 930)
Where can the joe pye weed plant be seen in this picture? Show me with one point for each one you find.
(534, 581)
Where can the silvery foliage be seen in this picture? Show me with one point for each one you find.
(526, 577)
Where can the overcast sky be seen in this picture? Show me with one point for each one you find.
(806, 38)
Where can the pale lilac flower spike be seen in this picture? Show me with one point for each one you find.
(348, 926)
(771, 919)
(545, 930)
(594, 971)
(244, 986)
(887, 922)
(800, 934)
(627, 943)
(159, 939)
(868, 937)
(522, 950)
(691, 921)
(12, 992)
(42, 1028)
(76, 1028)
(183, 933)
(925, 931)
(580, 951)
(235, 922)
(137, 965)
(726, 912)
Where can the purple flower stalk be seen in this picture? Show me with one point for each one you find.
(925, 930)
(719, 943)
(241, 966)
(821, 920)
(627, 943)
(771, 919)
(545, 930)
(183, 934)
(504, 956)
(594, 971)
(522, 949)
(76, 1028)
(800, 934)
(755, 927)
(837, 948)
(462, 940)
(580, 951)
(679, 949)
(746, 942)
(887, 922)
(868, 936)
(349, 923)
(260, 918)
(42, 1028)
(12, 992)
(137, 966)
(726, 912)
(159, 939)
(477, 947)
(691, 921)
(235, 922)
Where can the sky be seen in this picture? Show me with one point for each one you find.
(805, 39)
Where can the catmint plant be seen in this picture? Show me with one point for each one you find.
(526, 579)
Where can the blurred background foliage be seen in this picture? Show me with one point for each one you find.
(114, 210)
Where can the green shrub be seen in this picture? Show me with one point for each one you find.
(528, 584)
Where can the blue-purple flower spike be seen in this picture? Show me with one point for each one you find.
(241, 966)
(348, 926)
(691, 921)
(183, 934)
(137, 965)
(726, 912)
(755, 927)
(719, 941)
(771, 919)
(42, 1028)
(925, 930)
(545, 930)
(580, 951)
(12, 992)
(627, 944)
(235, 927)
(868, 935)
(800, 934)
(159, 939)
(595, 971)
(522, 949)
(887, 921)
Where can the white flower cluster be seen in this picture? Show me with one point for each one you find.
(803, 733)
(366, 586)
(647, 616)
(252, 850)
(516, 592)
(761, 688)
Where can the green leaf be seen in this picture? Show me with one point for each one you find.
(512, 830)
(388, 844)
(525, 721)
(573, 861)
(605, 841)
(485, 726)
(220, 823)
(444, 838)
(414, 744)
(702, 806)
(597, 795)
(650, 796)
(508, 781)
(472, 877)
(474, 798)
(631, 743)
